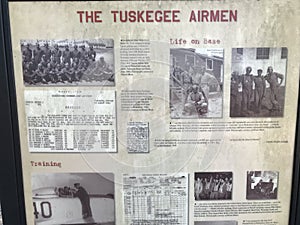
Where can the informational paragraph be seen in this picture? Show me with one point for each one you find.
(176, 142)
(222, 126)
(136, 100)
(156, 198)
(68, 121)
(235, 208)
(260, 222)
(135, 57)
(138, 137)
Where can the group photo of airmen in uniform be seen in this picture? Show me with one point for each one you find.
(213, 186)
(258, 87)
(262, 185)
(68, 62)
(196, 77)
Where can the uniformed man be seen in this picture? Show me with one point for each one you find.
(37, 54)
(215, 189)
(234, 95)
(67, 55)
(260, 89)
(56, 53)
(247, 85)
(76, 54)
(77, 72)
(47, 52)
(197, 76)
(196, 102)
(176, 73)
(44, 61)
(52, 62)
(203, 83)
(27, 53)
(67, 73)
(222, 189)
(40, 75)
(91, 54)
(29, 73)
(272, 78)
(58, 73)
(84, 198)
(189, 68)
(102, 64)
(186, 84)
(49, 71)
(198, 188)
(83, 53)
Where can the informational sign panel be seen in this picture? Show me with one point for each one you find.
(157, 112)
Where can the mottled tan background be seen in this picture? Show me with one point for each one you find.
(265, 23)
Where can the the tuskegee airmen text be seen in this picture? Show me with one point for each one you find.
(159, 16)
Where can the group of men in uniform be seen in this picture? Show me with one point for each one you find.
(44, 65)
(213, 188)
(194, 97)
(247, 82)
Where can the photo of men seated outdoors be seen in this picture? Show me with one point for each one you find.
(196, 83)
(68, 62)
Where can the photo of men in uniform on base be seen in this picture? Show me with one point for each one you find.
(196, 83)
(258, 82)
(262, 185)
(215, 223)
(68, 62)
(213, 186)
(73, 198)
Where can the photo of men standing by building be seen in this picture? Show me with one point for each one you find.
(213, 186)
(196, 83)
(68, 62)
(262, 185)
(258, 82)
(73, 198)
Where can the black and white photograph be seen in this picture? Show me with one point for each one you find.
(68, 62)
(262, 185)
(213, 186)
(216, 223)
(73, 198)
(196, 83)
(258, 82)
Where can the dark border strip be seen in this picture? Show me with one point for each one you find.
(295, 192)
(12, 194)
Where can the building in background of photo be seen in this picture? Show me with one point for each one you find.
(200, 68)
(259, 58)
(213, 63)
